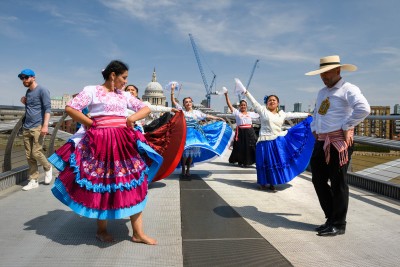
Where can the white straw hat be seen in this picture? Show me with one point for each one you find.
(331, 62)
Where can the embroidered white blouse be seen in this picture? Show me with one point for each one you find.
(243, 119)
(271, 124)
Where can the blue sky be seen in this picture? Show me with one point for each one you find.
(67, 43)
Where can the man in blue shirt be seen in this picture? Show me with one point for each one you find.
(35, 127)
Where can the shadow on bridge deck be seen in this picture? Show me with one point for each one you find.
(219, 218)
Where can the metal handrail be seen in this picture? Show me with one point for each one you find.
(358, 180)
(54, 134)
(7, 156)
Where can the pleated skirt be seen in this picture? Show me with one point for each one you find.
(244, 148)
(105, 171)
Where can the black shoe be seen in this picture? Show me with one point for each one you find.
(322, 226)
(332, 231)
(272, 188)
(262, 187)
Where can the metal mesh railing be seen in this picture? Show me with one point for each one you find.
(375, 161)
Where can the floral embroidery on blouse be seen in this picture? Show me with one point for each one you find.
(80, 101)
(134, 103)
(113, 101)
(101, 103)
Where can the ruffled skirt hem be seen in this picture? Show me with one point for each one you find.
(211, 141)
(106, 174)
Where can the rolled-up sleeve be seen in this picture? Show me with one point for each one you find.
(46, 101)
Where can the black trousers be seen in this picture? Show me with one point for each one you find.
(330, 183)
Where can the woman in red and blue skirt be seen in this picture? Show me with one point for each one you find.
(105, 168)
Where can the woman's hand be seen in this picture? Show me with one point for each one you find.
(239, 87)
(129, 122)
(91, 125)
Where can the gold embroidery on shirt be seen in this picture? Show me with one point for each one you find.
(323, 109)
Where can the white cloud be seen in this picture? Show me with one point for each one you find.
(8, 28)
(226, 27)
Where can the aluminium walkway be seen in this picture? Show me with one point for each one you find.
(219, 218)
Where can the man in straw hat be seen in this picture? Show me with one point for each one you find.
(340, 106)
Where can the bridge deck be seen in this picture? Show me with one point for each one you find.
(241, 226)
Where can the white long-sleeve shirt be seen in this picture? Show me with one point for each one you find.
(271, 123)
(347, 108)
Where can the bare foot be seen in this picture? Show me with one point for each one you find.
(105, 237)
(144, 239)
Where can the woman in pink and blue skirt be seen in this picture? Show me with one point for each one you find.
(106, 167)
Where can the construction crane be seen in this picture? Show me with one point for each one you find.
(252, 72)
(251, 77)
(209, 91)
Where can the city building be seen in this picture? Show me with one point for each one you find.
(297, 107)
(395, 124)
(59, 102)
(375, 127)
(396, 109)
(154, 93)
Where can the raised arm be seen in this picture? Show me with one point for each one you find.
(241, 90)
(256, 105)
(173, 102)
(228, 102)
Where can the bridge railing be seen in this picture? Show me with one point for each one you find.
(375, 164)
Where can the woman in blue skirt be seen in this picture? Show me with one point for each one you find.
(280, 155)
(204, 142)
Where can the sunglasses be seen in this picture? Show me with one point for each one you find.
(24, 77)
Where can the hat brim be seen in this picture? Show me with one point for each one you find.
(347, 67)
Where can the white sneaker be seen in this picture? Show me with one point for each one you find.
(48, 176)
(31, 185)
